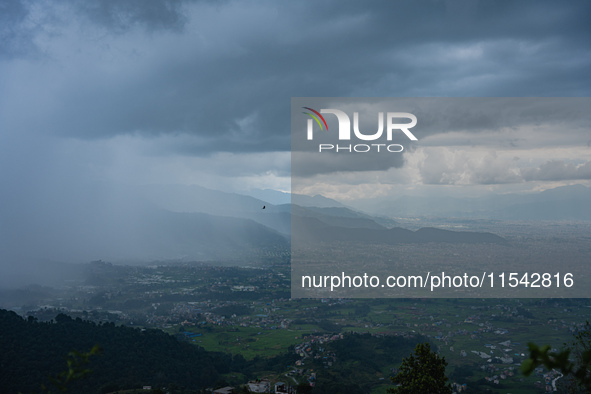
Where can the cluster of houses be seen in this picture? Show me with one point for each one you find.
(206, 312)
(458, 388)
(549, 378)
(500, 375)
(311, 349)
(305, 349)
(260, 386)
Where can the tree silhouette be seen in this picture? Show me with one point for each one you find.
(422, 372)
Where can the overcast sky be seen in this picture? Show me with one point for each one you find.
(148, 91)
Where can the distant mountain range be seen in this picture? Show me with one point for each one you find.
(188, 223)
(277, 217)
(326, 223)
(279, 198)
(562, 203)
(310, 230)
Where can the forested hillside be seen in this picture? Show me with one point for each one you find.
(31, 351)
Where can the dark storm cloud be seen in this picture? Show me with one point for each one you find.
(15, 35)
(120, 16)
(473, 116)
(226, 71)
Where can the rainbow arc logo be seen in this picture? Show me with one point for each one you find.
(316, 118)
(390, 123)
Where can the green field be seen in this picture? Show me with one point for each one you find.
(250, 341)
